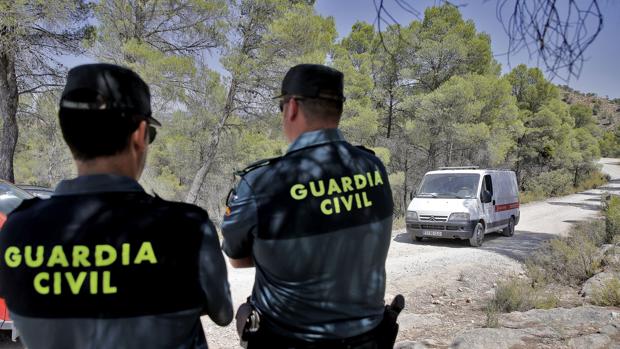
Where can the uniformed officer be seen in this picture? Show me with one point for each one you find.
(316, 223)
(102, 264)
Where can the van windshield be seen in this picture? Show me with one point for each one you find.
(451, 185)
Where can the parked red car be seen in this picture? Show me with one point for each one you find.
(10, 197)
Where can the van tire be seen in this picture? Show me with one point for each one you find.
(417, 238)
(510, 229)
(478, 236)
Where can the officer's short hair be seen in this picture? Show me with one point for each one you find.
(100, 107)
(318, 88)
(96, 133)
(321, 109)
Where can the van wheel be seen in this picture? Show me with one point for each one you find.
(478, 236)
(510, 229)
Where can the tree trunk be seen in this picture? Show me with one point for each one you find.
(405, 186)
(390, 114)
(8, 112)
(199, 179)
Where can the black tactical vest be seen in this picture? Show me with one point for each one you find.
(336, 185)
(101, 256)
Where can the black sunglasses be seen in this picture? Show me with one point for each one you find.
(152, 134)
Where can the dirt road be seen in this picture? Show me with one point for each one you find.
(446, 283)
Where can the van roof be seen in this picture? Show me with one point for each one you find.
(480, 171)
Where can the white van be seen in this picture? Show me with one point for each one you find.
(464, 203)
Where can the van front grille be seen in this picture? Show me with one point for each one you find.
(431, 218)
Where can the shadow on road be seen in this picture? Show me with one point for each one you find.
(608, 188)
(593, 199)
(407, 239)
(517, 247)
(582, 206)
(590, 194)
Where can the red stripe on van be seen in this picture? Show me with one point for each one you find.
(506, 207)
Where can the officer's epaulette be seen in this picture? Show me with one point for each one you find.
(25, 204)
(253, 166)
(365, 149)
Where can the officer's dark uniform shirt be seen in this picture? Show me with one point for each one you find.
(102, 264)
(317, 222)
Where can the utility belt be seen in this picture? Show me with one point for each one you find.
(252, 335)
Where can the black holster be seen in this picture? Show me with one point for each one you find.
(388, 329)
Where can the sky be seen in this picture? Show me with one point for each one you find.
(601, 71)
(600, 74)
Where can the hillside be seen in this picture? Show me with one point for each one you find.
(607, 111)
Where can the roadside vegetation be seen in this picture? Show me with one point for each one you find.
(589, 248)
(560, 183)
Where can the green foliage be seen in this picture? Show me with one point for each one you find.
(518, 295)
(612, 218)
(553, 183)
(608, 295)
(569, 260)
(531, 88)
(582, 115)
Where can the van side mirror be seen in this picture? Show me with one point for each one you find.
(486, 197)
(412, 194)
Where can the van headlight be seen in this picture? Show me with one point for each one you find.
(459, 216)
(412, 216)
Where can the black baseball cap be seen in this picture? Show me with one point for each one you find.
(313, 81)
(108, 87)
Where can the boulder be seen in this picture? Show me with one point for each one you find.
(597, 282)
(581, 327)
(410, 345)
(483, 338)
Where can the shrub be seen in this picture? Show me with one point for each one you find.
(552, 183)
(595, 179)
(492, 314)
(557, 183)
(513, 295)
(608, 295)
(518, 295)
(569, 260)
(612, 219)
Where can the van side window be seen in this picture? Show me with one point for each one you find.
(488, 184)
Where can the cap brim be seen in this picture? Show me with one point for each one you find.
(153, 121)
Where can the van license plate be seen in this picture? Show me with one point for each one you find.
(431, 233)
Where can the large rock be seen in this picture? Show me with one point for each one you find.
(597, 282)
(410, 345)
(582, 327)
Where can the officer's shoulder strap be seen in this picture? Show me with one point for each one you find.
(257, 164)
(25, 204)
(365, 149)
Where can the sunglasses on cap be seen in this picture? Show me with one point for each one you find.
(152, 133)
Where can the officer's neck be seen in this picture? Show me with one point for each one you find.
(310, 127)
(120, 165)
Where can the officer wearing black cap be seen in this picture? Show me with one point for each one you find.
(102, 264)
(316, 223)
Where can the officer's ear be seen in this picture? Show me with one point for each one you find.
(292, 111)
(139, 137)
